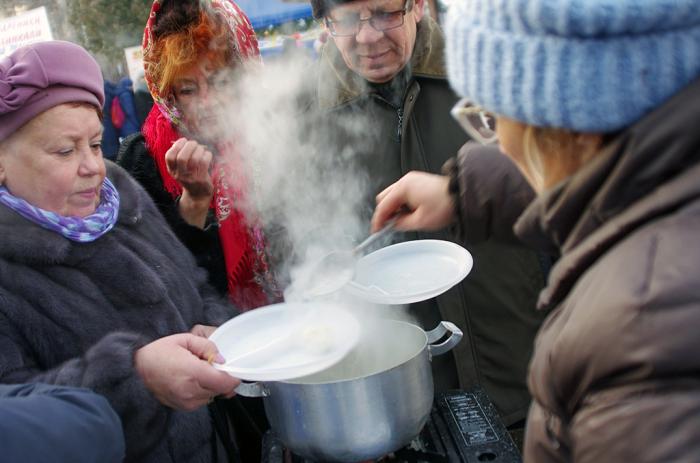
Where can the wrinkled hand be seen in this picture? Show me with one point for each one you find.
(424, 196)
(188, 162)
(176, 370)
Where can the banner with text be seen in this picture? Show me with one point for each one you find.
(22, 29)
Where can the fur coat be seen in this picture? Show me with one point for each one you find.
(74, 314)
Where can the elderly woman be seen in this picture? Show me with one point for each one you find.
(96, 291)
(598, 106)
(183, 157)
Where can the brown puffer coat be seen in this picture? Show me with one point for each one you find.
(615, 376)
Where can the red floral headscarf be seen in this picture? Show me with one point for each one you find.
(249, 281)
(244, 43)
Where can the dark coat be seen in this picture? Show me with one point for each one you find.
(205, 244)
(40, 423)
(74, 313)
(614, 376)
(495, 304)
(125, 93)
(143, 102)
(110, 134)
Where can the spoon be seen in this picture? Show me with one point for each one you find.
(336, 269)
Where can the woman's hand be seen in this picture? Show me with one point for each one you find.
(177, 370)
(203, 331)
(189, 163)
(423, 195)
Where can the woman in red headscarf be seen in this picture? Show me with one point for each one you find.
(182, 158)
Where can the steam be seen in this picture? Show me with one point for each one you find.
(308, 197)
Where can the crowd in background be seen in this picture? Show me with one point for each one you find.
(125, 109)
(557, 143)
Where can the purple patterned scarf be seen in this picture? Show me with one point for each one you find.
(81, 229)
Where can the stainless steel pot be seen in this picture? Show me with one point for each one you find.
(373, 402)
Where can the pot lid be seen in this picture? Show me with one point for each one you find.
(285, 341)
(409, 272)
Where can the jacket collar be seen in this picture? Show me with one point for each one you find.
(339, 85)
(646, 172)
(26, 242)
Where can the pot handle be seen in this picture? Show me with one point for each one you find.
(252, 390)
(441, 330)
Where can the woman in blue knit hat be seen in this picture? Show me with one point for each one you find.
(597, 103)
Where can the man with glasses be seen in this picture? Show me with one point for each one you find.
(384, 68)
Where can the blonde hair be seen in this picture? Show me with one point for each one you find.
(552, 154)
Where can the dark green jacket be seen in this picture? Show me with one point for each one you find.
(495, 304)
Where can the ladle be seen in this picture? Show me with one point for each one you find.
(337, 268)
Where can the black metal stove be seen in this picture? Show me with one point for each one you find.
(464, 427)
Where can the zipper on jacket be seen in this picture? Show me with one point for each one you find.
(399, 129)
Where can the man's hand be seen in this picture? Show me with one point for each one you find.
(423, 195)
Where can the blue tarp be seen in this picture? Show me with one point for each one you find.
(263, 13)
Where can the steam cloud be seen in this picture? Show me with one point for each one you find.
(308, 197)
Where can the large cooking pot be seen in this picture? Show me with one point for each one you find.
(373, 402)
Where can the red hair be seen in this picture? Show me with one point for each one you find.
(174, 53)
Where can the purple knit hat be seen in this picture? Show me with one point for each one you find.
(42, 75)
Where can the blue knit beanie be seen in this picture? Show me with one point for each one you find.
(584, 65)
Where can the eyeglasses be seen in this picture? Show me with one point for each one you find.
(380, 21)
(478, 123)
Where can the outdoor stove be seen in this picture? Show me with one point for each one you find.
(464, 427)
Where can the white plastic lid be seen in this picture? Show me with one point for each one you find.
(285, 341)
(409, 272)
